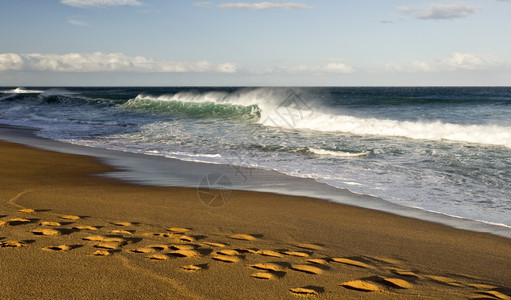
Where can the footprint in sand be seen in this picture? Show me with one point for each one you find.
(11, 244)
(269, 253)
(396, 282)
(307, 269)
(121, 232)
(264, 275)
(244, 237)
(183, 247)
(17, 221)
(317, 261)
(185, 253)
(85, 227)
(108, 245)
(186, 238)
(101, 253)
(178, 230)
(351, 262)
(444, 280)
(123, 224)
(70, 217)
(61, 248)
(94, 238)
(212, 244)
(158, 257)
(46, 232)
(225, 258)
(26, 211)
(163, 234)
(193, 268)
(246, 250)
(2, 223)
(360, 285)
(267, 267)
(309, 246)
(496, 295)
(159, 247)
(228, 252)
(482, 286)
(50, 224)
(296, 253)
(405, 273)
(305, 291)
(389, 261)
(144, 250)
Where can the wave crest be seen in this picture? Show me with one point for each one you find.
(284, 108)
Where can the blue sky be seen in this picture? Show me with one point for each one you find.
(261, 43)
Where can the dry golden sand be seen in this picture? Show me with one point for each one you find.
(162, 243)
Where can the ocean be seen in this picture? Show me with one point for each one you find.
(438, 149)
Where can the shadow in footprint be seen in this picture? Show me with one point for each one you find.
(2, 238)
(283, 264)
(66, 231)
(3, 216)
(504, 290)
(132, 240)
(28, 241)
(198, 237)
(278, 274)
(392, 282)
(246, 250)
(203, 266)
(66, 223)
(42, 210)
(62, 248)
(21, 221)
(204, 252)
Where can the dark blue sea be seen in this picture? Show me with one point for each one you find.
(440, 149)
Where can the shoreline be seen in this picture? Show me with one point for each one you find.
(147, 235)
(143, 169)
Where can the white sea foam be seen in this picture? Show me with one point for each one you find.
(319, 121)
(284, 109)
(323, 152)
(21, 90)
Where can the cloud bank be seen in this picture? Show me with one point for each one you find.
(105, 62)
(454, 62)
(436, 11)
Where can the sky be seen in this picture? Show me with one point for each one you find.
(255, 43)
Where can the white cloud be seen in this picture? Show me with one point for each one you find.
(202, 4)
(329, 68)
(102, 62)
(11, 62)
(76, 21)
(455, 61)
(337, 67)
(264, 5)
(468, 61)
(436, 11)
(99, 3)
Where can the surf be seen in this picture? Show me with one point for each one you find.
(286, 109)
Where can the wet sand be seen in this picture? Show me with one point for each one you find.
(65, 232)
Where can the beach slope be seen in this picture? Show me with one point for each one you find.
(67, 233)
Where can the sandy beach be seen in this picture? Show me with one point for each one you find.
(66, 233)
